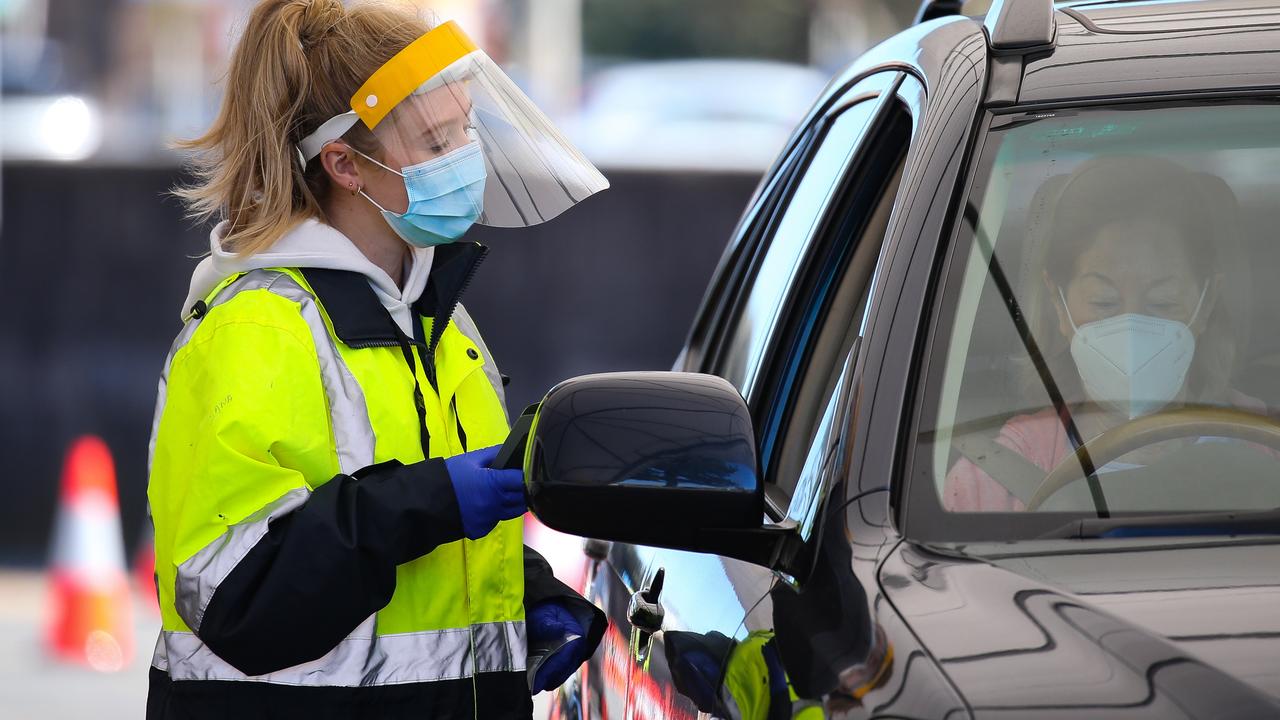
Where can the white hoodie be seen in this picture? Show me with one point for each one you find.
(313, 244)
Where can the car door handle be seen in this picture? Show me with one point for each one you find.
(645, 610)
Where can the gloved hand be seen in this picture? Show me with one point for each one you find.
(697, 663)
(485, 496)
(697, 676)
(549, 622)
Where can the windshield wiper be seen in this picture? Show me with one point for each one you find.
(1251, 522)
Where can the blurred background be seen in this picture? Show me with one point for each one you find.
(682, 103)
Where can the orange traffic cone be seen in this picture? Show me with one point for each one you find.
(90, 619)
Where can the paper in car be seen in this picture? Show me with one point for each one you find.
(539, 652)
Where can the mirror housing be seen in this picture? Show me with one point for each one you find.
(650, 458)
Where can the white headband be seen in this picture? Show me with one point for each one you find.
(332, 129)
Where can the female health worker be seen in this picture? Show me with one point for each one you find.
(330, 541)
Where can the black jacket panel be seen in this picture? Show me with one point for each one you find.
(323, 569)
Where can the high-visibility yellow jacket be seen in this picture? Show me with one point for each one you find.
(756, 685)
(735, 679)
(307, 560)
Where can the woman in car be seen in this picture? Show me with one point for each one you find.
(1132, 318)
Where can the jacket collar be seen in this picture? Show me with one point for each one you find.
(360, 320)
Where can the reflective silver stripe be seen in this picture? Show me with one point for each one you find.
(199, 576)
(160, 656)
(467, 326)
(500, 647)
(730, 702)
(364, 659)
(203, 572)
(352, 431)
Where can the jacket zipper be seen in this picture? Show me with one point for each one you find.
(364, 344)
(437, 331)
(428, 363)
(437, 327)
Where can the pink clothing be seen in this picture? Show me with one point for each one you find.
(1039, 438)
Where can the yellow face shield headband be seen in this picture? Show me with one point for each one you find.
(443, 95)
(390, 84)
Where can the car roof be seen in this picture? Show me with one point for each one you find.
(1100, 50)
(1105, 49)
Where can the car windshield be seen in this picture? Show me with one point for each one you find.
(1108, 342)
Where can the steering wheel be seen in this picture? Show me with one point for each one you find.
(1168, 425)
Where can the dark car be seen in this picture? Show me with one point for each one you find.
(976, 419)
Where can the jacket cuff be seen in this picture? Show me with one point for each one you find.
(421, 498)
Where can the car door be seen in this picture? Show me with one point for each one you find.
(833, 215)
(617, 572)
(813, 630)
(834, 642)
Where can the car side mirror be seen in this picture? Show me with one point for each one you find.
(650, 458)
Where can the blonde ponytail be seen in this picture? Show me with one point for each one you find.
(296, 65)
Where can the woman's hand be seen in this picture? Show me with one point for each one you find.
(485, 496)
(549, 622)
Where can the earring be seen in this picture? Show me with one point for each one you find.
(353, 189)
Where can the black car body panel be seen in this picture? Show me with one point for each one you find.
(876, 625)
(1109, 50)
(1127, 628)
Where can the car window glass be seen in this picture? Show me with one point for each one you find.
(1108, 335)
(830, 313)
(748, 335)
(823, 443)
(732, 265)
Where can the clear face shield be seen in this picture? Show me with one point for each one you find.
(469, 144)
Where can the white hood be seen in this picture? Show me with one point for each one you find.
(313, 244)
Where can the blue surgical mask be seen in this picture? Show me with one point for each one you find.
(446, 197)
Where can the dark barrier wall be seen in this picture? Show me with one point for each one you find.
(94, 263)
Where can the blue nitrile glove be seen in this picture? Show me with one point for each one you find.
(548, 622)
(485, 496)
(697, 665)
(697, 675)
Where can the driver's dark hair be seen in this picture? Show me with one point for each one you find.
(1113, 189)
(1109, 189)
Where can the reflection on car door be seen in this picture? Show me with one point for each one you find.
(675, 671)
(602, 686)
